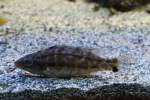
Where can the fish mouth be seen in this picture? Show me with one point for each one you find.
(23, 63)
(19, 65)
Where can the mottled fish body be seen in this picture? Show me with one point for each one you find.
(65, 61)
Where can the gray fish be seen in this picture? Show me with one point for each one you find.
(65, 61)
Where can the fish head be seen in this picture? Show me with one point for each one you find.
(25, 62)
(32, 63)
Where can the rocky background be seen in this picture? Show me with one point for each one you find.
(38, 24)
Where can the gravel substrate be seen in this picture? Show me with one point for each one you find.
(132, 49)
(112, 92)
(38, 24)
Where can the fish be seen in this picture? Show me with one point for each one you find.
(60, 61)
(3, 21)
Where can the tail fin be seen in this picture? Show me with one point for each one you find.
(126, 58)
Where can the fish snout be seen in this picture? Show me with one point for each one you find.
(23, 63)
